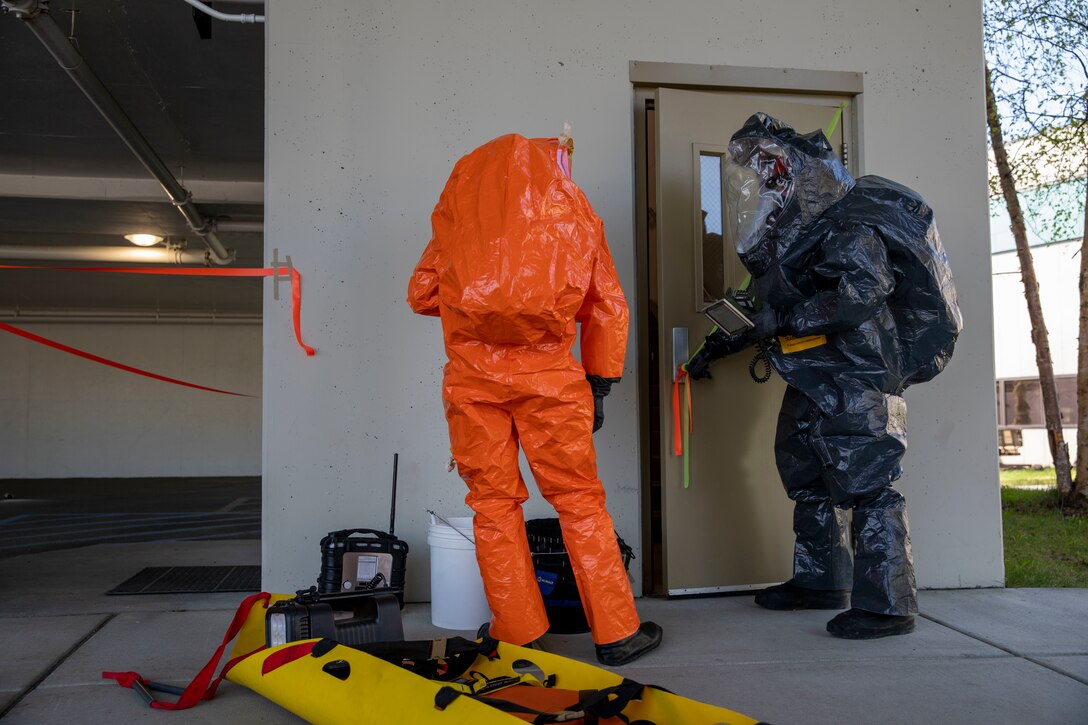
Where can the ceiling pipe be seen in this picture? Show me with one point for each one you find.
(35, 13)
(226, 225)
(124, 255)
(239, 18)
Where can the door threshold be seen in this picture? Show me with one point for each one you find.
(709, 591)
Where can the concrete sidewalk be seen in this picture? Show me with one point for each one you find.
(978, 656)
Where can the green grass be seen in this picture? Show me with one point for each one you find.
(1043, 548)
(1017, 477)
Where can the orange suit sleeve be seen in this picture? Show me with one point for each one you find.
(604, 318)
(423, 287)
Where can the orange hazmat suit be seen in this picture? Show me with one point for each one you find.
(516, 261)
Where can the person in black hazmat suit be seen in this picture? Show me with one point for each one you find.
(857, 303)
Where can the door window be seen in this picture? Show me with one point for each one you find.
(710, 242)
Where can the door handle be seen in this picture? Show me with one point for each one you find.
(679, 348)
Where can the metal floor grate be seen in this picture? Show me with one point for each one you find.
(191, 580)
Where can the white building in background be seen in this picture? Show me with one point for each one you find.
(1056, 252)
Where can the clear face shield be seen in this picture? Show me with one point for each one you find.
(755, 194)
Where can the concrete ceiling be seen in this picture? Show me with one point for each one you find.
(67, 179)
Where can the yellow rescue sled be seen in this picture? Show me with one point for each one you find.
(444, 681)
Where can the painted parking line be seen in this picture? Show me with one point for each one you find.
(38, 531)
(190, 533)
(43, 527)
(233, 505)
(152, 524)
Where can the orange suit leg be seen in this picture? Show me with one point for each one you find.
(557, 437)
(485, 446)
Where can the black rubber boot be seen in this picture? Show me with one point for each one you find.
(860, 624)
(787, 596)
(629, 649)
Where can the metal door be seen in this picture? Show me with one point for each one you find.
(731, 528)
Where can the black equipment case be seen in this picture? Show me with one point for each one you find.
(351, 618)
(362, 560)
(555, 577)
(354, 560)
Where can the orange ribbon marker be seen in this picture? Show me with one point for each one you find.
(679, 430)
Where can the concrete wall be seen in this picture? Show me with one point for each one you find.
(62, 416)
(368, 106)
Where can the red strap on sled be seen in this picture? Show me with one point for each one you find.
(286, 656)
(200, 689)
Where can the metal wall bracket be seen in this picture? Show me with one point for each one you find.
(276, 266)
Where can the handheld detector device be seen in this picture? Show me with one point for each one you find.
(728, 317)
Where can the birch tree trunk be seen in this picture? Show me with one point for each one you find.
(1058, 448)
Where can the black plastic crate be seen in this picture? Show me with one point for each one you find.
(555, 577)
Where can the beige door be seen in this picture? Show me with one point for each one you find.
(731, 527)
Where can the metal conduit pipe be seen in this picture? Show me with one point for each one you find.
(127, 255)
(226, 225)
(239, 18)
(36, 15)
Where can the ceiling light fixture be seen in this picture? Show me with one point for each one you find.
(144, 240)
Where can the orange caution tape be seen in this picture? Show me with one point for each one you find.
(296, 312)
(112, 363)
(296, 282)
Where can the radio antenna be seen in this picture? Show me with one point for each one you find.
(393, 497)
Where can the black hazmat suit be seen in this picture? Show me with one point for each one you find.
(861, 263)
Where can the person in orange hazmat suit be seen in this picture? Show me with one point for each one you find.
(517, 260)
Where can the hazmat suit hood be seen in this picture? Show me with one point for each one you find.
(517, 258)
(857, 261)
(778, 182)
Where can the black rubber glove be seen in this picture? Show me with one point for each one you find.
(768, 323)
(717, 345)
(601, 387)
(698, 366)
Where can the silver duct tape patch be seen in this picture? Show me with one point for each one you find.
(897, 415)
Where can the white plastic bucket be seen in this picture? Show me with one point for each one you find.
(457, 592)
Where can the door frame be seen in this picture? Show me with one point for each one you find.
(645, 78)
